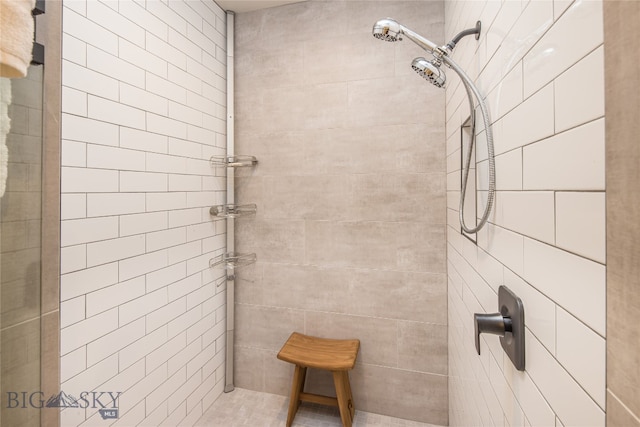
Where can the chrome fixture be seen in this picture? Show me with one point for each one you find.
(390, 30)
(430, 70)
(233, 211)
(232, 261)
(508, 324)
(236, 161)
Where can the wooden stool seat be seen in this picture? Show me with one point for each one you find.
(337, 356)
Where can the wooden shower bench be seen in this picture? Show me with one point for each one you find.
(336, 356)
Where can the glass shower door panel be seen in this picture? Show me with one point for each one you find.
(20, 255)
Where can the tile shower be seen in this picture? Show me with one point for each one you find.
(357, 192)
(346, 202)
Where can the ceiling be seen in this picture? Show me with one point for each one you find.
(240, 6)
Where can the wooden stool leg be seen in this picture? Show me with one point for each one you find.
(341, 382)
(296, 388)
(303, 376)
(347, 385)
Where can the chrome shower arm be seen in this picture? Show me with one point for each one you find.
(475, 30)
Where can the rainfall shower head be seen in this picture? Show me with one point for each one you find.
(391, 31)
(430, 70)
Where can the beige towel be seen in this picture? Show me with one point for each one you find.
(5, 125)
(16, 37)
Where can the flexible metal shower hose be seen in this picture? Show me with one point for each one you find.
(471, 92)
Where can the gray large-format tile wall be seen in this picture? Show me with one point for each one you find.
(350, 188)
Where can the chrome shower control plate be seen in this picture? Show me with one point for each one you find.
(512, 342)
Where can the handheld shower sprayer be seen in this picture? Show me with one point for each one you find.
(390, 30)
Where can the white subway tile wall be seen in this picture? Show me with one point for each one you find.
(143, 110)
(540, 65)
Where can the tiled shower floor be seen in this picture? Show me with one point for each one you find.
(255, 409)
